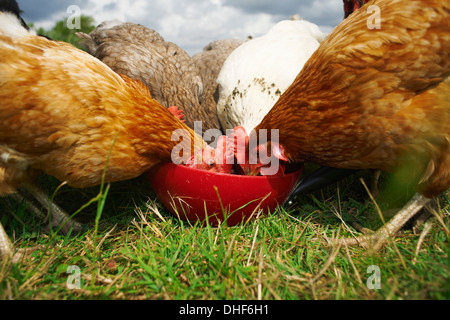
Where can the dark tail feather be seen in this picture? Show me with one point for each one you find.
(319, 179)
(352, 5)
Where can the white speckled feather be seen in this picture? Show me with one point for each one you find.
(256, 74)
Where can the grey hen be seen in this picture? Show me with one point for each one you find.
(143, 54)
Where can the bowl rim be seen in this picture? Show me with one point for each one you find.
(238, 176)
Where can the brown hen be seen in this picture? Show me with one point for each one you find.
(376, 97)
(65, 113)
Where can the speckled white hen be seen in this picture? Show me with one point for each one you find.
(256, 74)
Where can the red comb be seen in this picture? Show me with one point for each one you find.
(177, 113)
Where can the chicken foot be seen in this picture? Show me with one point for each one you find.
(59, 216)
(21, 197)
(378, 239)
(7, 248)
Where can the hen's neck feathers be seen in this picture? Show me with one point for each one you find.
(143, 54)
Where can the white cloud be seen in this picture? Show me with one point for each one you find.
(192, 24)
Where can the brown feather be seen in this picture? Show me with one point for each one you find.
(372, 98)
(62, 111)
(166, 69)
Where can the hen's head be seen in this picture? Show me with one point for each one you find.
(257, 158)
(216, 160)
(352, 5)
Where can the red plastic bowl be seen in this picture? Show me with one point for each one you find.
(194, 194)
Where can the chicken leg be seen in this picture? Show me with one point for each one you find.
(6, 246)
(59, 216)
(377, 239)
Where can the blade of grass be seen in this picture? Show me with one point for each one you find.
(104, 195)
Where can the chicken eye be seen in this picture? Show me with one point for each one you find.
(211, 163)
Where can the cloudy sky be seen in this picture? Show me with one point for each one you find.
(191, 24)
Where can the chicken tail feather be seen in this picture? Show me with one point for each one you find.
(319, 179)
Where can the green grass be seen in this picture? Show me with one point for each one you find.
(140, 251)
